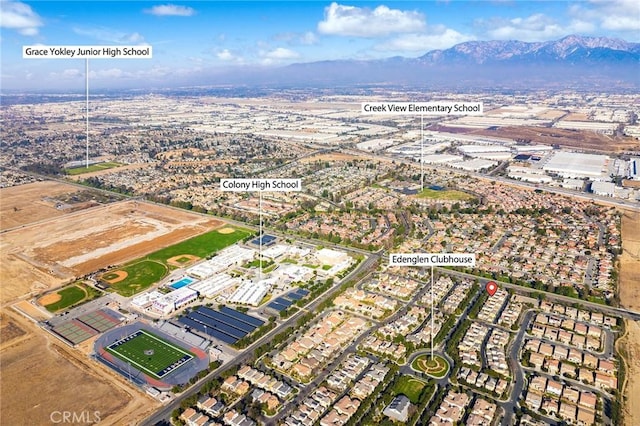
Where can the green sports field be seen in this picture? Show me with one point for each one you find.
(202, 246)
(68, 297)
(92, 168)
(140, 275)
(449, 194)
(160, 359)
(144, 272)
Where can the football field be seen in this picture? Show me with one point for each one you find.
(150, 354)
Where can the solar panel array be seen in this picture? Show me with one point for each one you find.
(283, 302)
(266, 240)
(85, 326)
(227, 325)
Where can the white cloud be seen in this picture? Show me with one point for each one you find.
(618, 15)
(278, 55)
(308, 38)
(621, 23)
(170, 10)
(438, 38)
(67, 74)
(108, 74)
(281, 53)
(110, 35)
(612, 15)
(19, 16)
(536, 27)
(225, 55)
(364, 22)
(230, 56)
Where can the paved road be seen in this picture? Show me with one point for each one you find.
(517, 371)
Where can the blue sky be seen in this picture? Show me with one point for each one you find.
(190, 37)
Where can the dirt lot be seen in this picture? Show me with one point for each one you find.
(563, 137)
(40, 256)
(631, 345)
(630, 262)
(630, 298)
(24, 204)
(41, 375)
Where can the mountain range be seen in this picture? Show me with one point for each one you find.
(571, 62)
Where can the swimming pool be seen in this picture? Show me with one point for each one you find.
(183, 282)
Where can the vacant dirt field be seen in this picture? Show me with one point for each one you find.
(631, 346)
(9, 331)
(42, 255)
(563, 137)
(630, 183)
(41, 375)
(630, 298)
(24, 204)
(630, 261)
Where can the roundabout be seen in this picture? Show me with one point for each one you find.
(436, 367)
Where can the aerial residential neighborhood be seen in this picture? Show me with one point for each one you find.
(320, 213)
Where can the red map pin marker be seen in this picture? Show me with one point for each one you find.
(491, 288)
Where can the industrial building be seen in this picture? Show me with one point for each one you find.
(578, 165)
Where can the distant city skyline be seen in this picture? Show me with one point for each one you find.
(204, 38)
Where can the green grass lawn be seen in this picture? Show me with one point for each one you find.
(201, 245)
(69, 297)
(410, 387)
(142, 273)
(256, 263)
(164, 353)
(449, 194)
(140, 276)
(437, 367)
(92, 168)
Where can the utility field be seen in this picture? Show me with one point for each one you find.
(150, 354)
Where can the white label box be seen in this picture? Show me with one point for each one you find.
(422, 108)
(87, 52)
(432, 259)
(260, 185)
